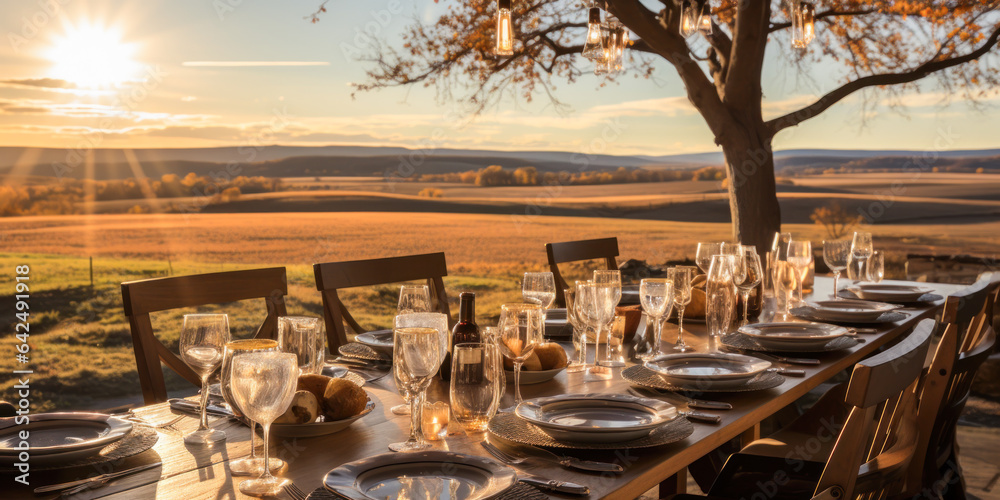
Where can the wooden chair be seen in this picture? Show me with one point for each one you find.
(140, 298)
(867, 457)
(333, 276)
(970, 306)
(573, 251)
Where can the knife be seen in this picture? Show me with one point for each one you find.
(113, 475)
(689, 414)
(692, 403)
(185, 406)
(789, 372)
(576, 463)
(774, 357)
(557, 486)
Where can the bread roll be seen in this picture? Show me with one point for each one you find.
(314, 383)
(304, 409)
(343, 399)
(551, 356)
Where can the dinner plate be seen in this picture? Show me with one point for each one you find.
(62, 432)
(438, 475)
(889, 292)
(380, 340)
(858, 311)
(533, 377)
(596, 418)
(793, 335)
(320, 427)
(711, 370)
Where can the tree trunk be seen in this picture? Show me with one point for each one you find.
(753, 200)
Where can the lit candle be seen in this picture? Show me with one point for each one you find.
(434, 420)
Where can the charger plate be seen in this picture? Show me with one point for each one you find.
(512, 428)
(644, 377)
(743, 341)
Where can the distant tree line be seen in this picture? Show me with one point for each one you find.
(69, 195)
(496, 175)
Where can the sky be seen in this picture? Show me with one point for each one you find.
(202, 73)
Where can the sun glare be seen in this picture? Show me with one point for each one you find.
(93, 56)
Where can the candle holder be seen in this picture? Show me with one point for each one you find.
(434, 420)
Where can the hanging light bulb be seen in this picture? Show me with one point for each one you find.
(621, 39)
(705, 21)
(803, 24)
(505, 29)
(592, 48)
(689, 19)
(607, 48)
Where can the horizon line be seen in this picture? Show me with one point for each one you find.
(241, 64)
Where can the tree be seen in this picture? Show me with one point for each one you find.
(837, 221)
(883, 45)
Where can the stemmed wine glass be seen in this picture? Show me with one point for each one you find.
(800, 255)
(836, 254)
(252, 465)
(735, 250)
(263, 385)
(539, 288)
(491, 337)
(520, 332)
(704, 254)
(778, 252)
(303, 336)
(437, 321)
(590, 313)
(657, 298)
(785, 280)
(611, 282)
(861, 251)
(720, 297)
(875, 268)
(581, 327)
(417, 355)
(681, 277)
(203, 340)
(750, 276)
(474, 373)
(414, 298)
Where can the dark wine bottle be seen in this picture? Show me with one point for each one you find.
(464, 331)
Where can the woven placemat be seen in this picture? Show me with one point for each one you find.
(138, 440)
(644, 377)
(513, 428)
(361, 351)
(926, 298)
(744, 341)
(886, 317)
(519, 491)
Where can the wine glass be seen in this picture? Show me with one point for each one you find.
(875, 268)
(785, 280)
(750, 276)
(203, 340)
(778, 252)
(720, 298)
(836, 255)
(252, 465)
(861, 250)
(414, 298)
(611, 281)
(303, 336)
(437, 321)
(520, 332)
(681, 277)
(657, 298)
(491, 337)
(264, 385)
(539, 288)
(580, 329)
(735, 250)
(416, 356)
(800, 255)
(473, 386)
(704, 254)
(589, 314)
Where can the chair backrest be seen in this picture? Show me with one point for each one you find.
(140, 298)
(334, 276)
(964, 307)
(573, 251)
(878, 439)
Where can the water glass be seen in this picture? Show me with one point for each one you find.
(657, 298)
(778, 252)
(680, 277)
(416, 357)
(589, 314)
(473, 386)
(861, 251)
(750, 276)
(579, 331)
(437, 321)
(610, 281)
(720, 298)
(520, 331)
(800, 255)
(539, 288)
(203, 340)
(303, 336)
(875, 268)
(491, 337)
(836, 254)
(785, 280)
(414, 299)
(264, 384)
(252, 465)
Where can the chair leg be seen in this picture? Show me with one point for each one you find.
(674, 485)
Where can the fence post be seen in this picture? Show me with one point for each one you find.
(91, 271)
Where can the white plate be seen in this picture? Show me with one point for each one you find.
(710, 370)
(380, 340)
(533, 377)
(849, 310)
(62, 432)
(438, 475)
(596, 418)
(320, 427)
(793, 335)
(889, 292)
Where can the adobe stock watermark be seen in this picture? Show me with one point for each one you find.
(31, 25)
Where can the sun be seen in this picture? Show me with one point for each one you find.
(93, 56)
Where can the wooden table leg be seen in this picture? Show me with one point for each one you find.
(674, 485)
(750, 435)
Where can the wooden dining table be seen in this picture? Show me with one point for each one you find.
(194, 472)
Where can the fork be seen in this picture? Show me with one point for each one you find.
(294, 491)
(570, 462)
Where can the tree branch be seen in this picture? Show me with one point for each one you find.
(834, 96)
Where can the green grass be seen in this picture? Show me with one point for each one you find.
(81, 347)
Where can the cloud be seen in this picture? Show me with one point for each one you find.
(48, 83)
(663, 106)
(244, 64)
